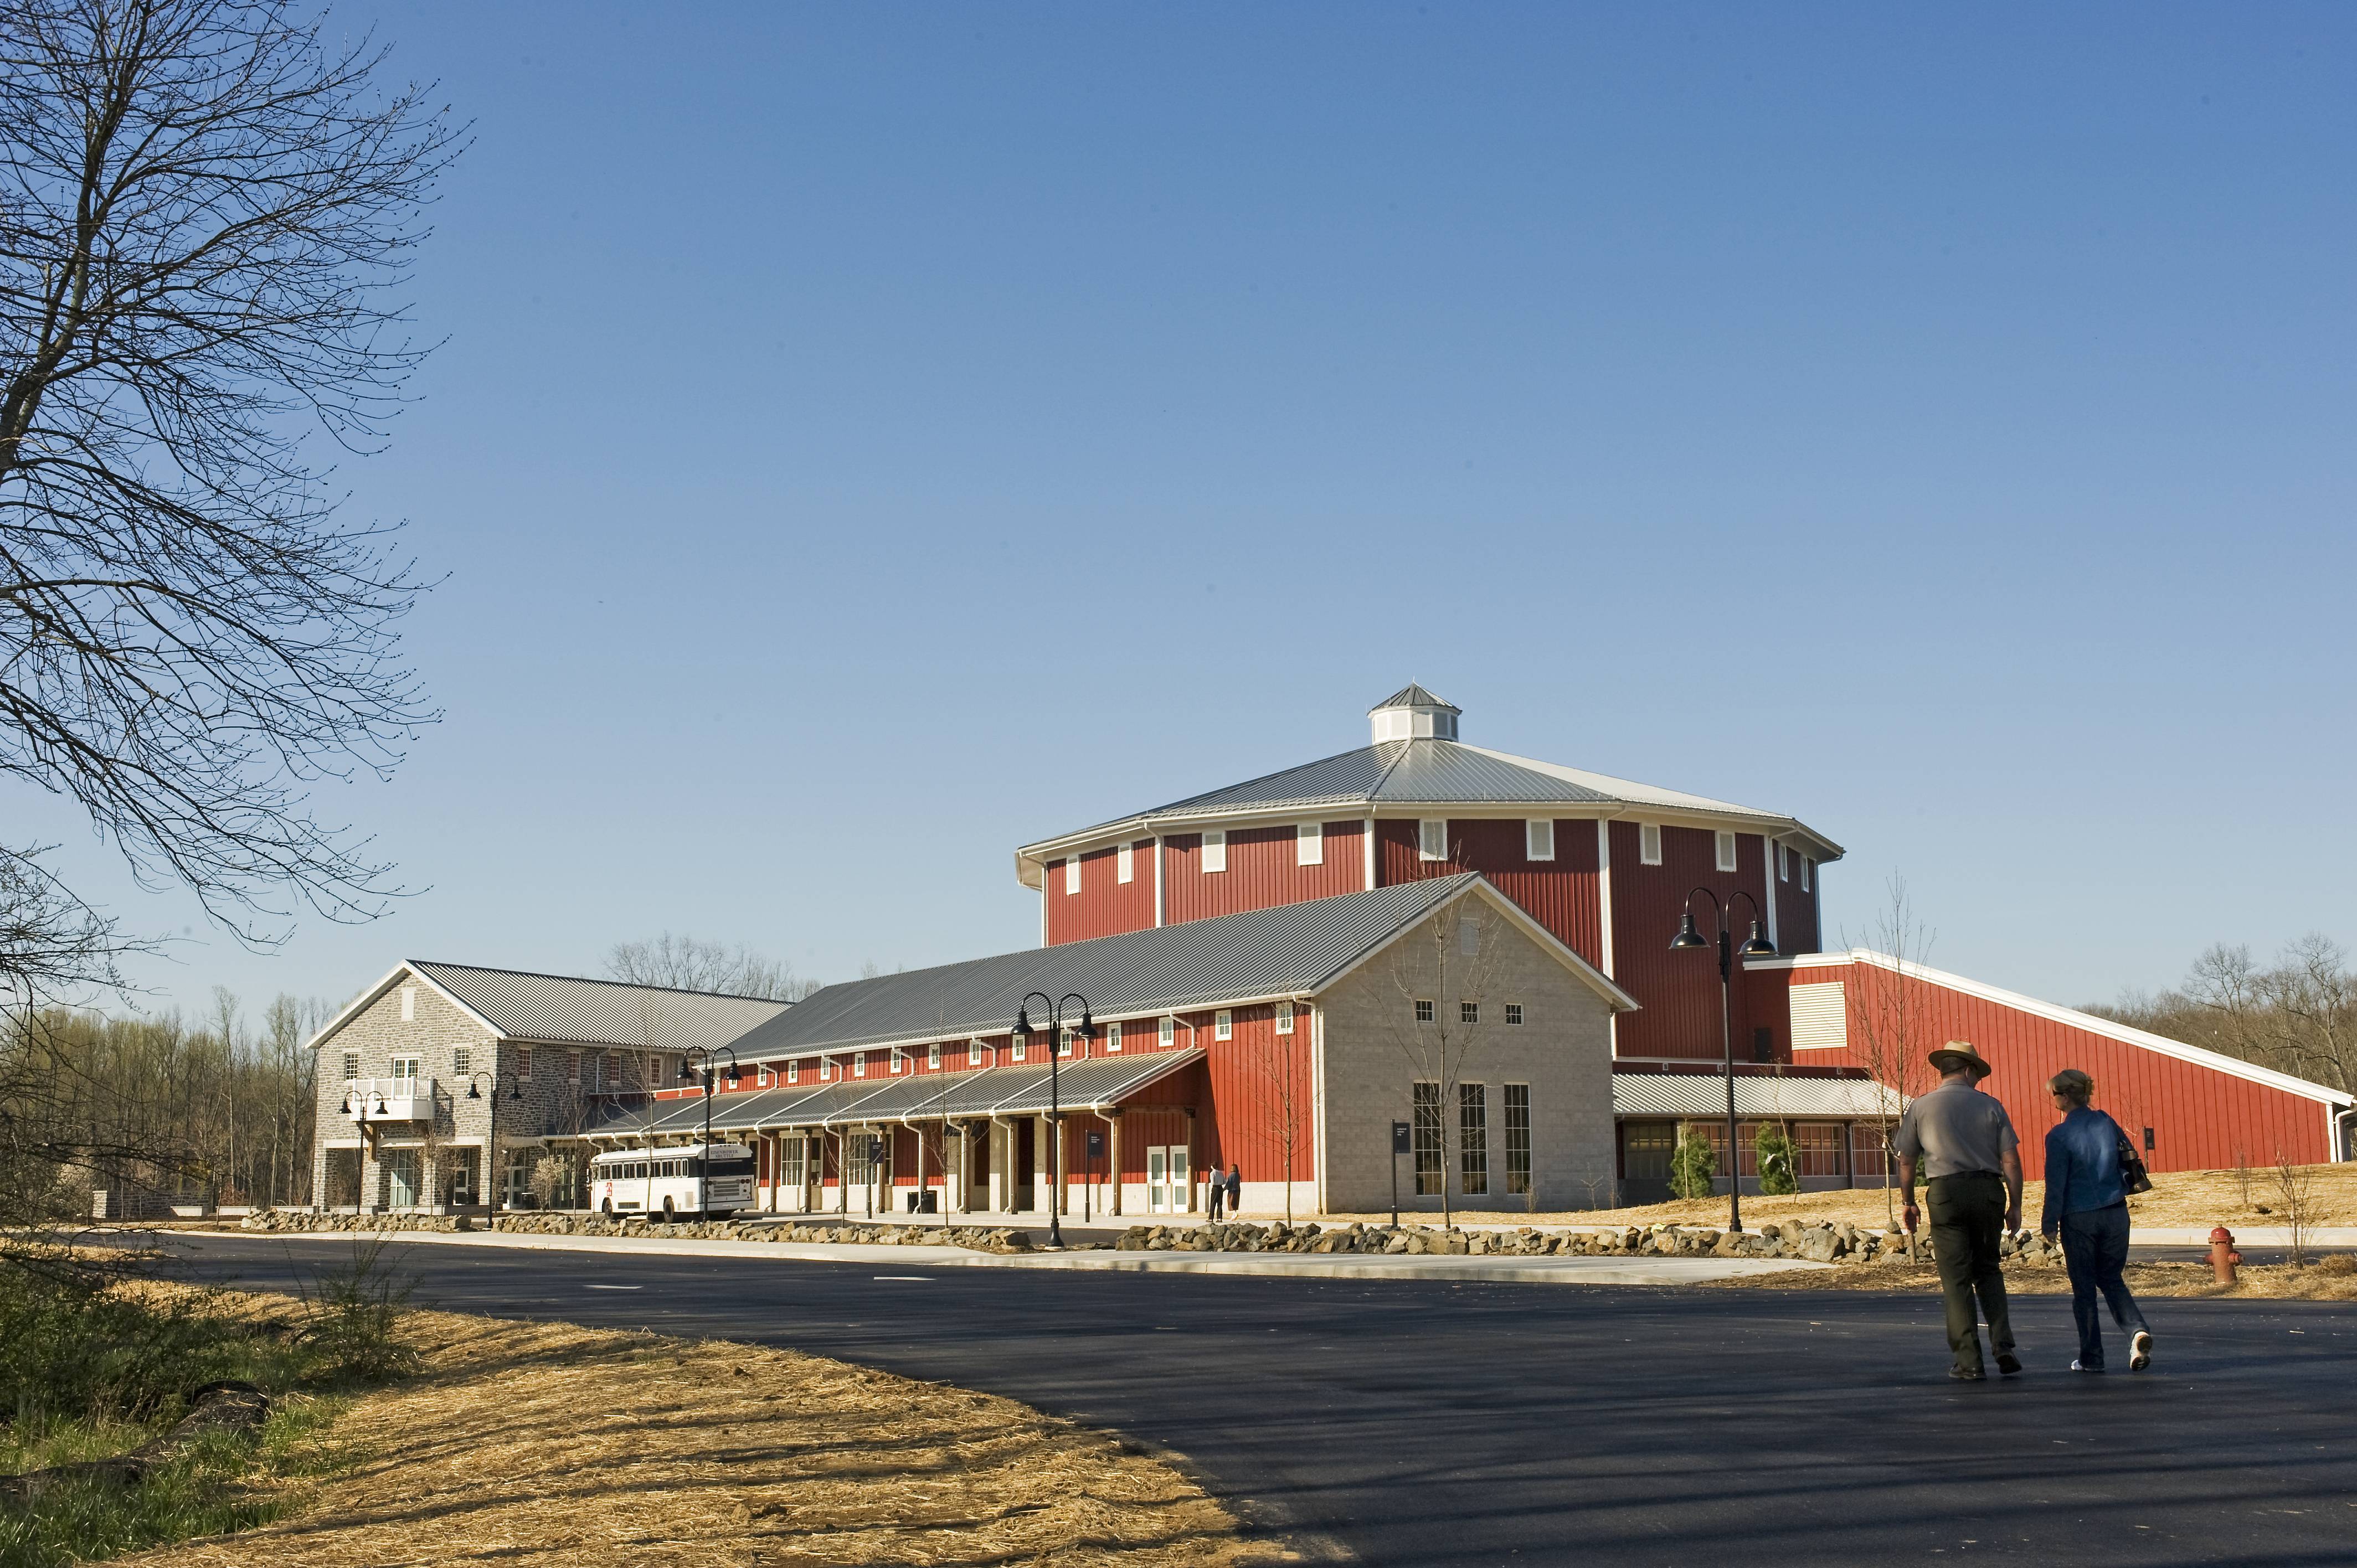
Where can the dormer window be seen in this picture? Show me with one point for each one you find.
(1727, 851)
(1072, 875)
(860, 1064)
(1215, 851)
(1432, 838)
(1124, 864)
(1310, 844)
(794, 1070)
(1648, 843)
(1538, 839)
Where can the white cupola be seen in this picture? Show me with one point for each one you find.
(1414, 714)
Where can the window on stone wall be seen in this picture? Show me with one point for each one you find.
(1424, 1010)
(1473, 1138)
(462, 1061)
(1518, 1139)
(1427, 1139)
(1514, 1013)
(351, 1066)
(523, 1061)
(1468, 1012)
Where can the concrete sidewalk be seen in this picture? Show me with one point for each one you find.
(1294, 1265)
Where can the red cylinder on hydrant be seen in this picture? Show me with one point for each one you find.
(2223, 1256)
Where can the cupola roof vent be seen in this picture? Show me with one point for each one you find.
(1414, 714)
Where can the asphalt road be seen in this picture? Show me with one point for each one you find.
(1428, 1423)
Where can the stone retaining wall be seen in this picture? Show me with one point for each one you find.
(304, 1219)
(1815, 1242)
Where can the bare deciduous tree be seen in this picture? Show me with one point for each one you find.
(2299, 1016)
(1443, 967)
(690, 963)
(204, 210)
(1890, 1018)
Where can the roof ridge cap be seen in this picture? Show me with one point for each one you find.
(593, 980)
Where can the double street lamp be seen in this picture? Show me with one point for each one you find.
(491, 1136)
(702, 1070)
(1690, 940)
(1055, 1095)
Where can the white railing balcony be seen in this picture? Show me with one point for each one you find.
(403, 1099)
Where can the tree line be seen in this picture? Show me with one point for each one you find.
(2296, 1014)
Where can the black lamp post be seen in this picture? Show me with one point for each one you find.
(1757, 946)
(1087, 1031)
(356, 1106)
(491, 1138)
(702, 1071)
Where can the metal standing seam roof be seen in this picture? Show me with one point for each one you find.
(1412, 695)
(1021, 1090)
(565, 1010)
(1288, 949)
(1700, 1095)
(1401, 773)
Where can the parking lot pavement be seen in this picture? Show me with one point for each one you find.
(1441, 1421)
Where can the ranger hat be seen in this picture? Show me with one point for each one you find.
(1956, 1054)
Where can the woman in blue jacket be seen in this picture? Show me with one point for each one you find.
(2087, 1203)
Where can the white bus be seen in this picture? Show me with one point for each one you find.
(672, 1182)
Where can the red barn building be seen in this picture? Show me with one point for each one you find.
(1418, 932)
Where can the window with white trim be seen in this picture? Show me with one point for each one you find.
(1783, 863)
(1285, 1017)
(1170, 1028)
(523, 1061)
(351, 1066)
(1112, 1036)
(1424, 1010)
(1064, 1043)
(409, 1003)
(573, 1069)
(826, 1070)
(1725, 851)
(933, 1057)
(1223, 1025)
(1432, 838)
(860, 1064)
(1124, 864)
(899, 1061)
(794, 1070)
(1538, 839)
(405, 1069)
(976, 1053)
(1017, 1046)
(1073, 873)
(461, 1061)
(1805, 864)
(1514, 1013)
(1648, 843)
(1309, 843)
(1215, 851)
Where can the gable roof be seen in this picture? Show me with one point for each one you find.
(1288, 950)
(1400, 775)
(561, 1009)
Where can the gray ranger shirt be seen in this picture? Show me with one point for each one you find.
(1955, 1129)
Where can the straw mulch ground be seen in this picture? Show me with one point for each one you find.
(2178, 1199)
(546, 1444)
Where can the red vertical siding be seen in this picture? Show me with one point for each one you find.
(1261, 872)
(1678, 991)
(1247, 1114)
(2203, 1117)
(1796, 911)
(1105, 905)
(1560, 894)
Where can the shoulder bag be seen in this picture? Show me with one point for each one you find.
(2134, 1178)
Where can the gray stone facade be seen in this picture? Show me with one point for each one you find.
(1374, 1051)
(409, 1168)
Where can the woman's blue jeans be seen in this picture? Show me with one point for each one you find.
(2095, 1249)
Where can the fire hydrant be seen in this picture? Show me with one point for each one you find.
(2223, 1256)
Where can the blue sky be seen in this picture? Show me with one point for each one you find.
(868, 438)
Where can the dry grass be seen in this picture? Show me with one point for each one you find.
(2334, 1279)
(2201, 1199)
(552, 1444)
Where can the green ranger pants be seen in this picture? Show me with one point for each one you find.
(1967, 1214)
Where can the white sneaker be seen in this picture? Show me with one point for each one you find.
(2141, 1351)
(2077, 1367)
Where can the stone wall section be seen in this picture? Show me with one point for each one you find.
(1563, 1049)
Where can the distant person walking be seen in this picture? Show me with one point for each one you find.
(1219, 1191)
(2087, 1206)
(1235, 1185)
(1967, 1144)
